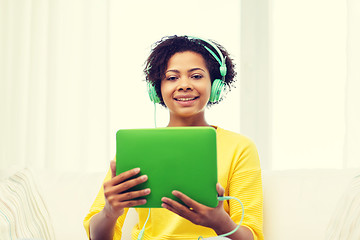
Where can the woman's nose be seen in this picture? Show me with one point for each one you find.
(185, 84)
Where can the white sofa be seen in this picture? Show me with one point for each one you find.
(298, 204)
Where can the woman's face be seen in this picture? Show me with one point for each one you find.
(186, 87)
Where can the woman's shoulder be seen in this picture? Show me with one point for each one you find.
(241, 148)
(234, 137)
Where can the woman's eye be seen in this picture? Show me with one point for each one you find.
(197, 76)
(171, 78)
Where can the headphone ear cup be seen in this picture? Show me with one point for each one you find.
(216, 90)
(223, 69)
(152, 93)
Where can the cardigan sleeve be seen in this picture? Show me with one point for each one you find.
(245, 184)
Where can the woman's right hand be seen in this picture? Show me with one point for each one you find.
(116, 199)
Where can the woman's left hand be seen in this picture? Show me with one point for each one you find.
(195, 212)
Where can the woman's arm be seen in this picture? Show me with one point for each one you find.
(102, 226)
(215, 218)
(116, 199)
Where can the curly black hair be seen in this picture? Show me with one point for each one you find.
(163, 50)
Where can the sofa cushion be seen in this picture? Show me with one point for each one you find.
(68, 196)
(298, 204)
(23, 212)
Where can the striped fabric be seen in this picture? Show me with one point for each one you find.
(23, 214)
(345, 223)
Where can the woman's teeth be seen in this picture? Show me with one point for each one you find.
(185, 99)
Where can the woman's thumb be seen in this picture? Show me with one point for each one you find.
(113, 168)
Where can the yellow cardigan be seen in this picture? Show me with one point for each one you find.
(238, 172)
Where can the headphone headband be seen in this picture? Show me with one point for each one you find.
(220, 60)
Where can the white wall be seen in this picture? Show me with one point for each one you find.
(300, 82)
(308, 58)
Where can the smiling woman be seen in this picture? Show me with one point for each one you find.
(186, 75)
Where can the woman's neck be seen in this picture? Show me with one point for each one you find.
(187, 121)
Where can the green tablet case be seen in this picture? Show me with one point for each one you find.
(173, 158)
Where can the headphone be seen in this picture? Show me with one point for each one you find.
(218, 85)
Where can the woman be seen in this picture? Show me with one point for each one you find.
(186, 75)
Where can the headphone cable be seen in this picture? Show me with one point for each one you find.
(155, 114)
(242, 216)
(141, 234)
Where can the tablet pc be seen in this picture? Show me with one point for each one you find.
(173, 158)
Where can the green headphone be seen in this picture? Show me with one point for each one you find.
(217, 86)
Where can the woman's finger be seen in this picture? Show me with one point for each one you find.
(177, 208)
(113, 168)
(127, 184)
(124, 176)
(220, 190)
(187, 200)
(132, 203)
(132, 195)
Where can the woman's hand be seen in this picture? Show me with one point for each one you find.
(215, 218)
(195, 212)
(116, 197)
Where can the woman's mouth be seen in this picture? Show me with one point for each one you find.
(187, 99)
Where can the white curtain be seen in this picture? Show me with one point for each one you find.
(71, 74)
(54, 84)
